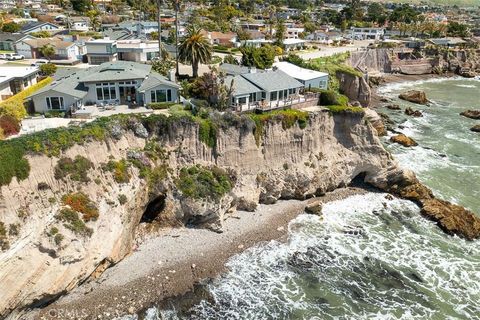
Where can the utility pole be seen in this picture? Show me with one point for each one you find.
(177, 8)
(159, 3)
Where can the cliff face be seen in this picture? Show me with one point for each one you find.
(284, 162)
(289, 163)
(355, 88)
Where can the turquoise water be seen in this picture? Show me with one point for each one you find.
(448, 156)
(368, 257)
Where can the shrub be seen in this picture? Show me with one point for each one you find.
(332, 98)
(119, 170)
(207, 131)
(288, 118)
(48, 69)
(80, 202)
(58, 239)
(72, 221)
(160, 105)
(42, 186)
(14, 229)
(204, 183)
(9, 125)
(76, 169)
(122, 199)
(4, 244)
(54, 114)
(347, 109)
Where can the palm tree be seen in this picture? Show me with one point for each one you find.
(194, 49)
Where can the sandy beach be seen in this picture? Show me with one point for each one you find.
(171, 263)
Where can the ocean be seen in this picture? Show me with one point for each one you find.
(368, 257)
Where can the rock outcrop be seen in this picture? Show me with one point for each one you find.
(355, 88)
(280, 162)
(414, 113)
(415, 96)
(475, 128)
(376, 121)
(404, 140)
(393, 107)
(472, 114)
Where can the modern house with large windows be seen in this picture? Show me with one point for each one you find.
(111, 83)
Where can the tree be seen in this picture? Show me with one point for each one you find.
(213, 87)
(94, 15)
(261, 58)
(163, 66)
(81, 5)
(280, 33)
(376, 13)
(230, 59)
(404, 14)
(48, 51)
(11, 27)
(48, 69)
(456, 29)
(41, 34)
(195, 49)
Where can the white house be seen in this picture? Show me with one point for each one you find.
(367, 33)
(115, 83)
(64, 50)
(309, 78)
(16, 79)
(81, 24)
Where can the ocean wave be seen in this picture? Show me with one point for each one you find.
(365, 258)
(392, 87)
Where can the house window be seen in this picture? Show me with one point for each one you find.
(25, 83)
(106, 91)
(161, 95)
(55, 103)
(273, 95)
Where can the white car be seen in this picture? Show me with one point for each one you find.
(39, 62)
(14, 56)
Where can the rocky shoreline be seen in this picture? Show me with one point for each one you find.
(174, 261)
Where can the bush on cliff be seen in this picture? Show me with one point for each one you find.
(73, 222)
(119, 170)
(204, 183)
(76, 169)
(332, 98)
(348, 109)
(288, 118)
(80, 202)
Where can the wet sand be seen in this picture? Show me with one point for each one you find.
(171, 263)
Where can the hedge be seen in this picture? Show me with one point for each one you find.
(160, 105)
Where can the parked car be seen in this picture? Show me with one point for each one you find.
(14, 56)
(39, 62)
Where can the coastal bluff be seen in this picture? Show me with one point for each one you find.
(159, 168)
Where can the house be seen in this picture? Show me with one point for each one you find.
(137, 50)
(293, 33)
(266, 90)
(318, 36)
(367, 33)
(233, 69)
(115, 83)
(309, 78)
(226, 39)
(293, 44)
(16, 79)
(64, 50)
(36, 26)
(449, 42)
(8, 41)
(101, 50)
(81, 24)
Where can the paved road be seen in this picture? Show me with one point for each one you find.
(325, 51)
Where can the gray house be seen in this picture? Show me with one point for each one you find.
(120, 82)
(266, 90)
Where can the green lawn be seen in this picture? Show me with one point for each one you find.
(6, 51)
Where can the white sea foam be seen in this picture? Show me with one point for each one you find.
(392, 87)
(366, 258)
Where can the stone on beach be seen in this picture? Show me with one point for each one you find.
(475, 128)
(404, 140)
(414, 113)
(415, 96)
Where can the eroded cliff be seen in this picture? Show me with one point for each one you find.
(149, 167)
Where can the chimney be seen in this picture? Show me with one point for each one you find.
(171, 75)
